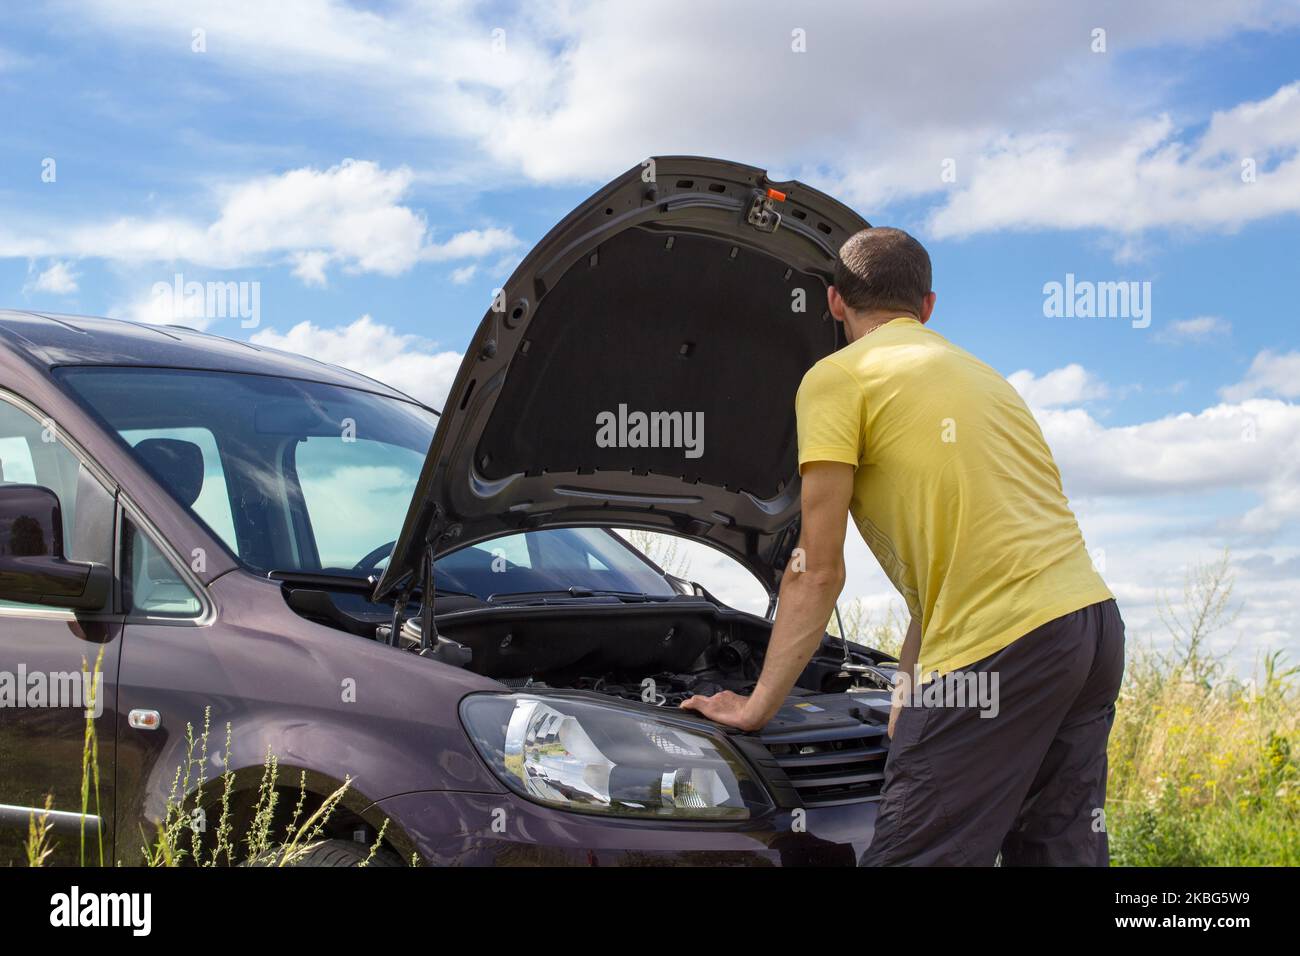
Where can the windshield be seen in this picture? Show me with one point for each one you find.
(301, 476)
(555, 560)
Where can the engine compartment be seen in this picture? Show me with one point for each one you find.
(658, 653)
(825, 746)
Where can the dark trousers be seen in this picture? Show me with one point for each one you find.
(1028, 781)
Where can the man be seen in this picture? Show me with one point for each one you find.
(950, 482)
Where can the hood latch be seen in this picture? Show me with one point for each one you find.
(762, 211)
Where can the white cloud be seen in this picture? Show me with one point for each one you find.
(310, 267)
(58, 279)
(1200, 329)
(1252, 446)
(1063, 386)
(1127, 179)
(463, 274)
(406, 362)
(350, 216)
(1044, 132)
(471, 244)
(350, 212)
(1270, 373)
(151, 309)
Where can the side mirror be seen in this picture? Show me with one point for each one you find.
(33, 569)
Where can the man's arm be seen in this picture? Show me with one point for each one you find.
(809, 587)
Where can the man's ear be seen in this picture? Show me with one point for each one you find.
(835, 302)
(927, 306)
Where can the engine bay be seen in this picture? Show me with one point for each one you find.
(655, 652)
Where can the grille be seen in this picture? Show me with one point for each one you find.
(831, 766)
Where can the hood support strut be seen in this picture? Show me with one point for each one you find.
(428, 590)
(428, 626)
(432, 644)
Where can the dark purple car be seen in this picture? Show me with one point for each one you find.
(497, 673)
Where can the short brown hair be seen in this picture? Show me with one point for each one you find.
(883, 268)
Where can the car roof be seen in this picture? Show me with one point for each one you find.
(53, 340)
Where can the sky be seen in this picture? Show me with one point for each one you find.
(376, 170)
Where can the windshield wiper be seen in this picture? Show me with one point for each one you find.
(573, 592)
(323, 579)
(348, 582)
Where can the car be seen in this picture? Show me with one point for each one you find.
(434, 609)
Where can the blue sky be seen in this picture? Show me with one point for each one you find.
(379, 168)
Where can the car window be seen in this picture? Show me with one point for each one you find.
(352, 489)
(152, 586)
(31, 453)
(292, 475)
(16, 463)
(213, 501)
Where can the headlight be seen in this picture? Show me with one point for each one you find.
(597, 758)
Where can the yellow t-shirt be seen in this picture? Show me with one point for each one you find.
(956, 492)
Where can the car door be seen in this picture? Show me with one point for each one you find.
(58, 667)
(165, 663)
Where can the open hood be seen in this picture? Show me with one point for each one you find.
(639, 370)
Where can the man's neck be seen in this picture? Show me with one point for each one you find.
(864, 323)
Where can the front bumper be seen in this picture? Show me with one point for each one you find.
(483, 829)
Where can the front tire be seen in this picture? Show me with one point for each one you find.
(344, 853)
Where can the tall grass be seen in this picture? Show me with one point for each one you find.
(1202, 763)
(39, 847)
(1204, 773)
(90, 758)
(179, 838)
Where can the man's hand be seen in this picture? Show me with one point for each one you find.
(726, 708)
